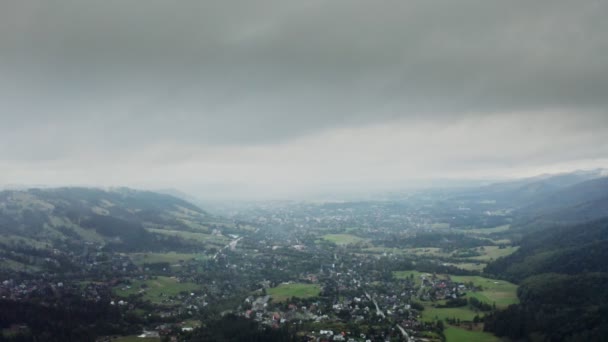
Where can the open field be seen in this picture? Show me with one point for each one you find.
(485, 231)
(342, 239)
(457, 334)
(494, 252)
(134, 338)
(463, 313)
(382, 250)
(501, 241)
(17, 240)
(469, 266)
(488, 253)
(196, 236)
(171, 257)
(156, 290)
(286, 291)
(500, 292)
(407, 274)
(17, 266)
(426, 251)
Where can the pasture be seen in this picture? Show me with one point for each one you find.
(342, 239)
(140, 259)
(157, 290)
(494, 252)
(457, 334)
(464, 313)
(285, 291)
(501, 292)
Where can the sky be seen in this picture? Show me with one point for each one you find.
(277, 98)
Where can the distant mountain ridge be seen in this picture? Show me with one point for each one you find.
(105, 216)
(578, 203)
(520, 193)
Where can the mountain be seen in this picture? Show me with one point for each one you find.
(562, 273)
(522, 192)
(581, 202)
(120, 218)
(560, 249)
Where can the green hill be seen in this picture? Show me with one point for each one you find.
(562, 273)
(121, 219)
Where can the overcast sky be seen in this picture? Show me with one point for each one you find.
(272, 98)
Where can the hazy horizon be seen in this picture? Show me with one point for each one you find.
(272, 99)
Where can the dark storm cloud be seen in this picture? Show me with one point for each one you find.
(109, 78)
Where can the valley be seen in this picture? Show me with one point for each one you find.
(426, 267)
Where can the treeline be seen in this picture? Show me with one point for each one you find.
(449, 241)
(472, 301)
(132, 236)
(74, 319)
(556, 307)
(567, 299)
(235, 328)
(568, 250)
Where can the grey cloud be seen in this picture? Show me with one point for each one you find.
(102, 77)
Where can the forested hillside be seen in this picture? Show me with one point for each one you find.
(563, 295)
(35, 222)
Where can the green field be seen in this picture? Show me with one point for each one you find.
(406, 274)
(13, 265)
(488, 253)
(500, 292)
(426, 251)
(342, 239)
(469, 266)
(135, 339)
(171, 257)
(457, 334)
(202, 237)
(485, 231)
(382, 250)
(156, 290)
(285, 291)
(463, 313)
(494, 252)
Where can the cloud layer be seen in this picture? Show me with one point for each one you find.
(312, 92)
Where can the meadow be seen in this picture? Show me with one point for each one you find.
(457, 334)
(171, 257)
(156, 290)
(285, 291)
(342, 239)
(501, 292)
(494, 252)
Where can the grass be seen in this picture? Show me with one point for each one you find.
(201, 237)
(17, 266)
(16, 240)
(342, 239)
(463, 313)
(501, 241)
(486, 231)
(500, 292)
(426, 251)
(135, 339)
(86, 234)
(156, 290)
(285, 291)
(171, 257)
(494, 252)
(469, 266)
(406, 274)
(457, 334)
